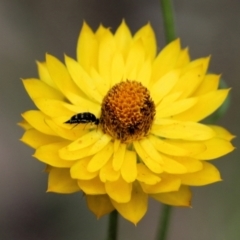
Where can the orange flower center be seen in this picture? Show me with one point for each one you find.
(127, 111)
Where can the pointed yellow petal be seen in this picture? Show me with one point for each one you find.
(118, 155)
(183, 59)
(164, 85)
(129, 168)
(85, 140)
(119, 190)
(182, 130)
(209, 174)
(222, 132)
(167, 184)
(44, 74)
(136, 208)
(150, 150)
(64, 153)
(150, 163)
(82, 79)
(87, 48)
(100, 158)
(60, 75)
(123, 38)
(167, 147)
(144, 74)
(182, 197)
(210, 83)
(171, 166)
(189, 81)
(107, 173)
(166, 59)
(176, 107)
(215, 148)
(146, 176)
(60, 181)
(35, 139)
(79, 170)
(135, 59)
(99, 204)
(37, 89)
(92, 187)
(52, 108)
(49, 155)
(37, 120)
(205, 105)
(107, 49)
(117, 68)
(147, 35)
(191, 164)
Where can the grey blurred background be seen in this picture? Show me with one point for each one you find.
(29, 29)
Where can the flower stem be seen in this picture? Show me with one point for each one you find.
(165, 218)
(168, 21)
(112, 226)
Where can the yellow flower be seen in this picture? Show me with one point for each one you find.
(121, 124)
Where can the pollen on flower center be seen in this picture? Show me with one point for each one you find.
(127, 111)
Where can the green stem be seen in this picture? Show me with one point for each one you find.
(168, 20)
(165, 219)
(112, 226)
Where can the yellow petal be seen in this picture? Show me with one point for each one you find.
(118, 155)
(119, 190)
(147, 35)
(189, 81)
(107, 48)
(205, 105)
(60, 181)
(166, 59)
(99, 204)
(150, 150)
(191, 164)
(35, 139)
(209, 174)
(92, 187)
(60, 75)
(123, 38)
(183, 59)
(167, 147)
(167, 184)
(107, 173)
(222, 132)
(203, 62)
(182, 130)
(44, 74)
(100, 158)
(39, 89)
(37, 120)
(164, 85)
(117, 68)
(135, 60)
(136, 208)
(79, 170)
(82, 79)
(49, 155)
(150, 163)
(85, 140)
(64, 153)
(176, 108)
(144, 74)
(171, 166)
(182, 197)
(215, 148)
(129, 168)
(24, 124)
(210, 83)
(146, 176)
(52, 108)
(87, 48)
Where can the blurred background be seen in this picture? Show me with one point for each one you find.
(29, 29)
